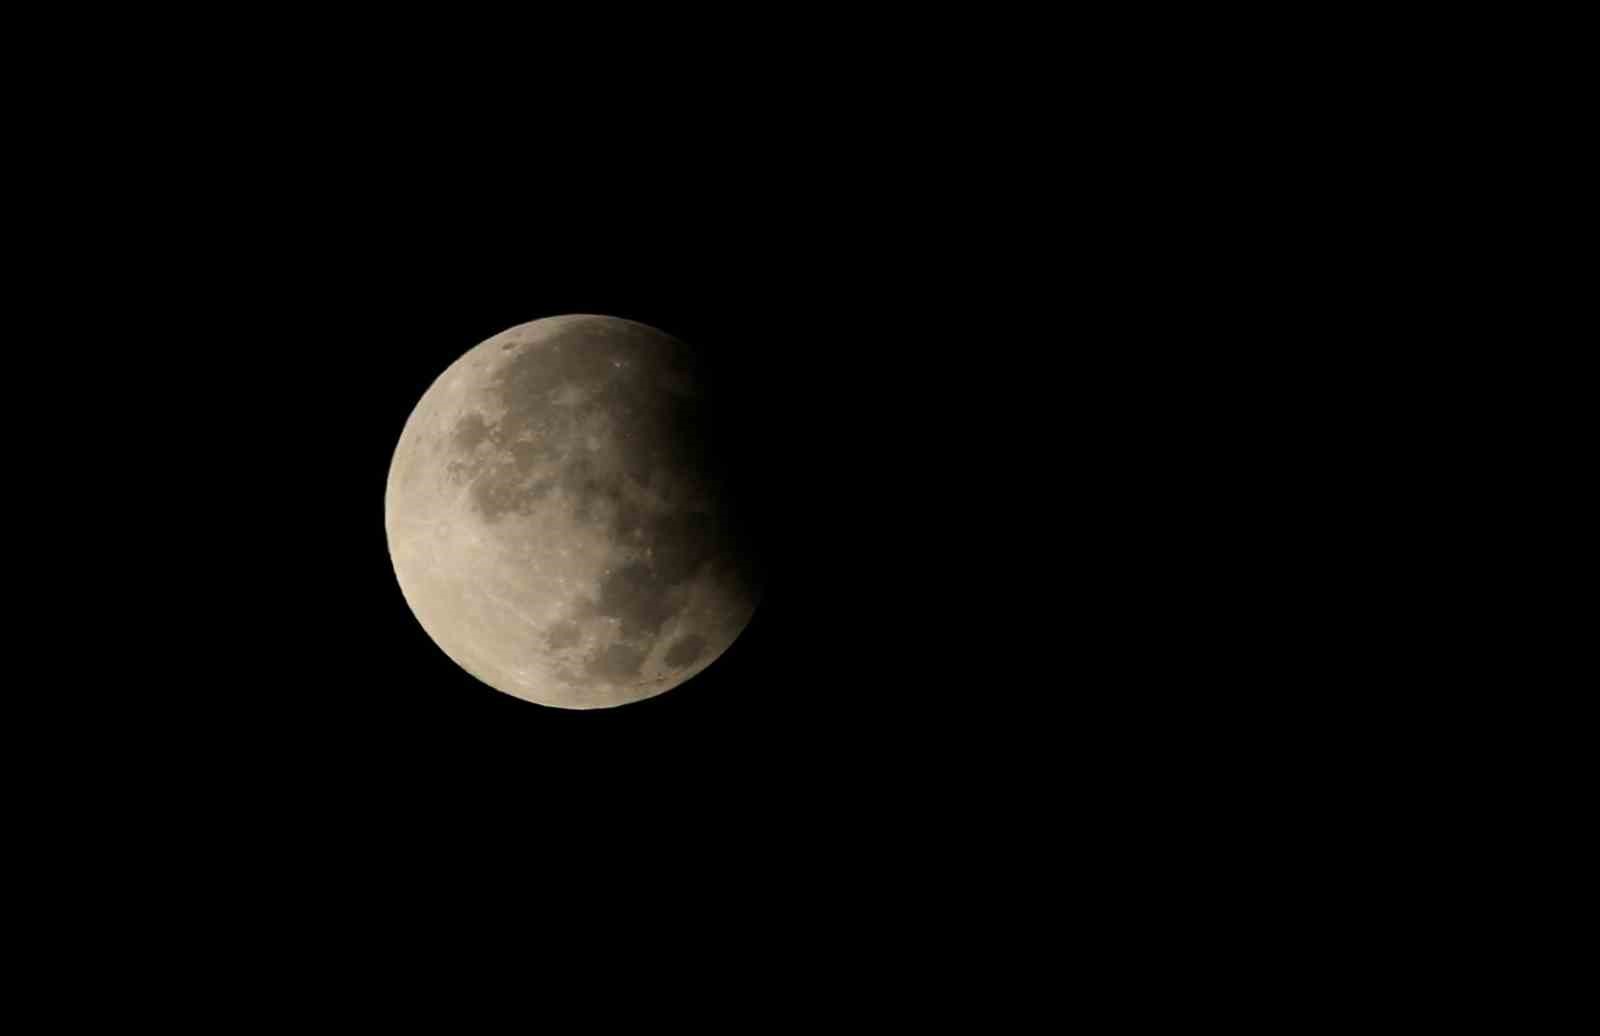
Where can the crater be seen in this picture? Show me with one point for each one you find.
(615, 662)
(470, 431)
(562, 635)
(504, 490)
(637, 599)
(686, 651)
(526, 454)
(461, 472)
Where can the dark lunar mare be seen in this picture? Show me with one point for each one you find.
(672, 413)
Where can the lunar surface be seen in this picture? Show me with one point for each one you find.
(561, 518)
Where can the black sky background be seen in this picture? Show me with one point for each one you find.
(303, 317)
(962, 339)
(913, 373)
(1048, 348)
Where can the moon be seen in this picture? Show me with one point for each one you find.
(561, 517)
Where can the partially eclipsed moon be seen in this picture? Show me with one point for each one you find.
(559, 517)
